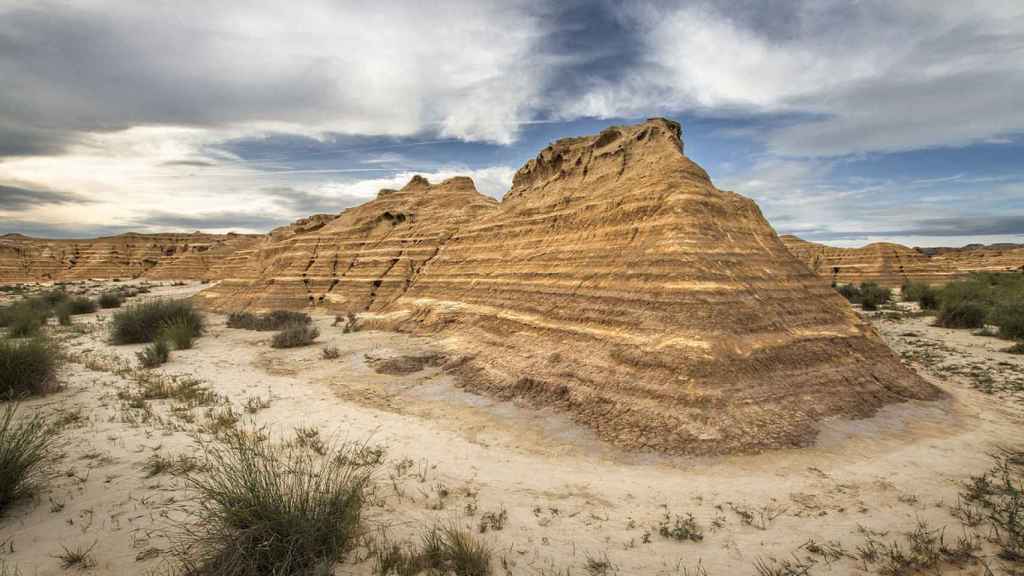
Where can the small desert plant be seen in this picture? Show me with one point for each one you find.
(178, 331)
(849, 291)
(275, 320)
(28, 367)
(349, 321)
(111, 299)
(177, 465)
(680, 528)
(330, 353)
(264, 509)
(144, 322)
(295, 335)
(454, 550)
(78, 558)
(26, 449)
(154, 354)
(872, 295)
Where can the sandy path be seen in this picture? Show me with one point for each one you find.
(568, 496)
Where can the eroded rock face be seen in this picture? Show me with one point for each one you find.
(613, 281)
(154, 256)
(893, 264)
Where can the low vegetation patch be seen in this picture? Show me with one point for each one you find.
(28, 367)
(294, 335)
(180, 332)
(145, 322)
(111, 299)
(25, 321)
(276, 320)
(26, 450)
(266, 509)
(926, 296)
(448, 549)
(984, 298)
(997, 498)
(154, 354)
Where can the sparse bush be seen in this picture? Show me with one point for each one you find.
(872, 295)
(28, 367)
(681, 528)
(26, 449)
(275, 320)
(25, 320)
(111, 299)
(926, 296)
(154, 354)
(1009, 317)
(178, 331)
(295, 335)
(264, 509)
(78, 558)
(849, 291)
(962, 314)
(78, 305)
(144, 322)
(63, 316)
(330, 353)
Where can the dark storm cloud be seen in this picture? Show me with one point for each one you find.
(45, 230)
(940, 227)
(17, 198)
(304, 203)
(211, 220)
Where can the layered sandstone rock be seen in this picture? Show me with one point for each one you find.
(613, 281)
(893, 264)
(156, 256)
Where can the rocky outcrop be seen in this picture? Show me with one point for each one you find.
(154, 256)
(891, 264)
(613, 281)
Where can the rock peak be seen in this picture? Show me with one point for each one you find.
(416, 183)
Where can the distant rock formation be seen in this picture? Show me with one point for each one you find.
(613, 281)
(891, 264)
(153, 256)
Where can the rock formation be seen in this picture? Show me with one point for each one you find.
(154, 256)
(893, 264)
(613, 281)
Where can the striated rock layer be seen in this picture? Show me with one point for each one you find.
(155, 256)
(893, 264)
(613, 281)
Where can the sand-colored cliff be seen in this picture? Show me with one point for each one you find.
(613, 281)
(893, 264)
(155, 256)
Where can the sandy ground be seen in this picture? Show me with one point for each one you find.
(453, 456)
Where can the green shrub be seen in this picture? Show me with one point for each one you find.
(962, 314)
(178, 331)
(295, 335)
(849, 291)
(276, 320)
(144, 322)
(79, 305)
(63, 316)
(26, 450)
(1009, 317)
(872, 295)
(25, 320)
(111, 299)
(263, 509)
(926, 296)
(929, 300)
(28, 367)
(154, 354)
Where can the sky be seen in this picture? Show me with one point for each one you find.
(848, 121)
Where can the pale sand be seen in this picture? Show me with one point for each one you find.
(568, 496)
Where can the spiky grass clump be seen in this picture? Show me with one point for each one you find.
(79, 305)
(295, 335)
(448, 549)
(275, 320)
(154, 354)
(26, 449)
(111, 299)
(28, 368)
(144, 322)
(264, 509)
(180, 332)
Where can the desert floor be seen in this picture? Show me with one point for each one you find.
(573, 504)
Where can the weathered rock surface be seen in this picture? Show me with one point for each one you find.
(613, 281)
(893, 264)
(155, 256)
